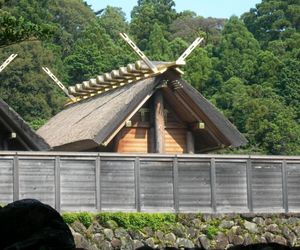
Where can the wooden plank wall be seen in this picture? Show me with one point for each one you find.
(152, 182)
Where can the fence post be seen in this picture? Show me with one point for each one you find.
(137, 184)
(249, 185)
(16, 187)
(285, 187)
(98, 183)
(57, 183)
(213, 184)
(175, 184)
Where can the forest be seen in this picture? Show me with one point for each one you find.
(248, 66)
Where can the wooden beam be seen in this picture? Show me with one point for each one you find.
(190, 143)
(159, 122)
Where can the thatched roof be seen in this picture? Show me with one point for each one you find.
(13, 122)
(88, 123)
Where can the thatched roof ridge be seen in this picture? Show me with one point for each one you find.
(14, 121)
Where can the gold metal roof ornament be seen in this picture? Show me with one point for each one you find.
(141, 69)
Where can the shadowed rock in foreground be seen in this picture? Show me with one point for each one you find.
(30, 224)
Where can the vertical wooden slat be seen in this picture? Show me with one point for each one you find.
(57, 184)
(284, 187)
(213, 184)
(175, 184)
(137, 184)
(16, 188)
(249, 185)
(98, 184)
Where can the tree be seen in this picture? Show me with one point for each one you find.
(237, 51)
(146, 14)
(34, 96)
(188, 25)
(272, 18)
(113, 21)
(158, 46)
(16, 30)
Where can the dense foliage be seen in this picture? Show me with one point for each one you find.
(249, 67)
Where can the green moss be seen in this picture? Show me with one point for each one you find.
(138, 220)
(84, 217)
(211, 231)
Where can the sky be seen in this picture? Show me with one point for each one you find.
(206, 8)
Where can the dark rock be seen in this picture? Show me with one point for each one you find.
(105, 245)
(259, 221)
(237, 240)
(94, 228)
(260, 239)
(280, 240)
(80, 241)
(269, 221)
(137, 244)
(159, 235)
(116, 243)
(34, 224)
(179, 230)
(247, 239)
(236, 229)
(293, 221)
(136, 234)
(97, 238)
(251, 227)
(78, 227)
(109, 234)
(126, 243)
(221, 241)
(273, 228)
(184, 243)
(148, 232)
(248, 216)
(150, 242)
(297, 231)
(206, 217)
(170, 238)
(204, 242)
(197, 223)
(191, 232)
(268, 236)
(120, 232)
(111, 224)
(226, 224)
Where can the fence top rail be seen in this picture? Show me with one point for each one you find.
(154, 156)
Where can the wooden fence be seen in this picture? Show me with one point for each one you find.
(175, 183)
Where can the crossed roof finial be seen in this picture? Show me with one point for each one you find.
(124, 75)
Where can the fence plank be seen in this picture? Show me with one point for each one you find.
(249, 185)
(137, 184)
(231, 186)
(284, 187)
(213, 184)
(175, 184)
(16, 195)
(57, 184)
(98, 185)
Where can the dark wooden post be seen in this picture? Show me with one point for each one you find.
(190, 147)
(159, 123)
